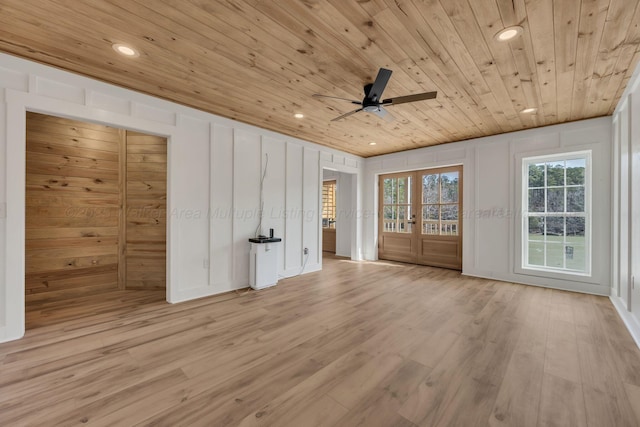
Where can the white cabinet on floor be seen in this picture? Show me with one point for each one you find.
(263, 262)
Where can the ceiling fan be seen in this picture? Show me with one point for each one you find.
(372, 102)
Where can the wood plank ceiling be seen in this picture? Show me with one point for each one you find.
(259, 61)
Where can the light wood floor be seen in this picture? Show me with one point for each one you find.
(372, 344)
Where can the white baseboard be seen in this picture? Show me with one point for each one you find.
(630, 320)
(296, 271)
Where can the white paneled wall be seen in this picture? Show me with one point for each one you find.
(625, 278)
(491, 208)
(189, 170)
(215, 167)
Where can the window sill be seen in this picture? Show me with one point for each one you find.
(573, 276)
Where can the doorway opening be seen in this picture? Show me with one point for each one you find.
(419, 220)
(95, 219)
(338, 228)
(329, 216)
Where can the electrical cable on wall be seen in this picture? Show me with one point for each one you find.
(304, 264)
(264, 174)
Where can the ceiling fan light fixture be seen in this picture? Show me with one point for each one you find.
(508, 33)
(125, 50)
(298, 115)
(530, 110)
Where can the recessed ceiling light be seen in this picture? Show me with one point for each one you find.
(372, 143)
(508, 33)
(125, 50)
(529, 110)
(298, 115)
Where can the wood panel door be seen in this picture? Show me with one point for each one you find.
(145, 215)
(72, 204)
(419, 217)
(95, 213)
(397, 236)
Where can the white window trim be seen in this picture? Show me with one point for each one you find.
(523, 266)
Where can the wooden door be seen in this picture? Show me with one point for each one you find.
(71, 212)
(143, 252)
(95, 212)
(397, 237)
(440, 230)
(420, 217)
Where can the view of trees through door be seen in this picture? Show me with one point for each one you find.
(419, 217)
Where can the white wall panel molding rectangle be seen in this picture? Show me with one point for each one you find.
(221, 208)
(294, 213)
(155, 114)
(310, 206)
(61, 91)
(106, 102)
(15, 80)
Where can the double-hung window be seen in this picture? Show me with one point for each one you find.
(557, 213)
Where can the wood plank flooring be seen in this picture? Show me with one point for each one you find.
(371, 344)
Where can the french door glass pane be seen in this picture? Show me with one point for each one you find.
(389, 218)
(449, 187)
(430, 219)
(431, 213)
(449, 220)
(389, 190)
(431, 188)
(404, 219)
(449, 212)
(404, 190)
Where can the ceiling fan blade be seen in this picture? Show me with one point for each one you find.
(375, 92)
(384, 114)
(346, 114)
(317, 95)
(410, 98)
